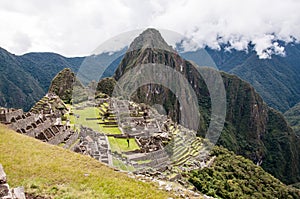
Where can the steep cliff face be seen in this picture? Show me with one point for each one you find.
(293, 118)
(258, 132)
(252, 129)
(246, 117)
(139, 54)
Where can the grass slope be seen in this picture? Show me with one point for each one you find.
(52, 171)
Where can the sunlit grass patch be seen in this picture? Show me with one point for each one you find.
(120, 144)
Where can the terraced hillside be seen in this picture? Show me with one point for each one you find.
(50, 103)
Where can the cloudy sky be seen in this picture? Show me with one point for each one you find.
(76, 28)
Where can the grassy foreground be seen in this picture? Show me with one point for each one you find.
(52, 171)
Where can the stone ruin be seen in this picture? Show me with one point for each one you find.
(153, 132)
(50, 104)
(162, 142)
(94, 144)
(41, 126)
(9, 115)
(141, 122)
(164, 145)
(6, 192)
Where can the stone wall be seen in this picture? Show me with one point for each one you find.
(7, 114)
(23, 122)
(94, 144)
(28, 123)
(60, 135)
(38, 126)
(72, 139)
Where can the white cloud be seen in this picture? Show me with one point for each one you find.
(265, 47)
(76, 27)
(21, 42)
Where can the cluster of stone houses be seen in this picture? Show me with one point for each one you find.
(45, 127)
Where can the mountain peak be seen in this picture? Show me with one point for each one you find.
(64, 83)
(150, 38)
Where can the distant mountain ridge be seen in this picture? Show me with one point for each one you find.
(44, 66)
(276, 79)
(26, 79)
(17, 86)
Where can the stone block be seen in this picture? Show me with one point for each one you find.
(2, 175)
(19, 193)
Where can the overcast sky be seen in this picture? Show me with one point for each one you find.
(76, 28)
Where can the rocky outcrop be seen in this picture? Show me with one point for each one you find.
(64, 84)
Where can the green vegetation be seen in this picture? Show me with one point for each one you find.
(18, 88)
(293, 118)
(282, 158)
(120, 165)
(79, 118)
(51, 171)
(120, 144)
(143, 161)
(233, 176)
(106, 86)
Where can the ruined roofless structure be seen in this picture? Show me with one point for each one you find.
(37, 125)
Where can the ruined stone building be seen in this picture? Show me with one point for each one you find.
(41, 126)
